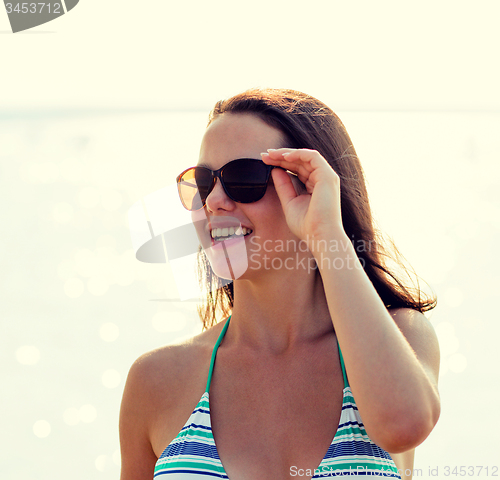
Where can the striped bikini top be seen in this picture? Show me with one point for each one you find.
(192, 454)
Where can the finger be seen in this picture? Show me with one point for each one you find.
(284, 187)
(312, 162)
(311, 159)
(306, 160)
(301, 171)
(282, 155)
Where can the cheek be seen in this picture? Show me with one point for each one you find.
(200, 223)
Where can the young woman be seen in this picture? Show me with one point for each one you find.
(325, 364)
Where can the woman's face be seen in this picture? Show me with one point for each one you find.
(229, 137)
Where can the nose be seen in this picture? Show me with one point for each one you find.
(217, 199)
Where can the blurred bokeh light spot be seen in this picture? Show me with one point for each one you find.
(62, 212)
(97, 286)
(87, 413)
(102, 463)
(457, 363)
(109, 332)
(28, 355)
(168, 321)
(41, 428)
(111, 378)
(73, 287)
(71, 416)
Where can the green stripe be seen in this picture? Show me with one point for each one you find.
(212, 360)
(343, 465)
(202, 465)
(194, 432)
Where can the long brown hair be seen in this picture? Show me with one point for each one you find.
(308, 123)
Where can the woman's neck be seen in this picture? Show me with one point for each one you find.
(277, 311)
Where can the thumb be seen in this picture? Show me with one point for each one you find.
(284, 187)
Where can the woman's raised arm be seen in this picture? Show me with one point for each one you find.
(392, 363)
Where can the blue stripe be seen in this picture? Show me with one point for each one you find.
(192, 472)
(355, 447)
(190, 448)
(352, 473)
(351, 406)
(346, 424)
(194, 426)
(202, 410)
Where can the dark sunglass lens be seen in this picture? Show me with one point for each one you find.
(246, 180)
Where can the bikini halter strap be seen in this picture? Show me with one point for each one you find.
(214, 353)
(346, 384)
(219, 340)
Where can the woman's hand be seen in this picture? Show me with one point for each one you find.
(314, 214)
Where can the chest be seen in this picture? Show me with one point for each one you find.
(273, 418)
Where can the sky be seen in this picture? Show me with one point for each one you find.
(101, 108)
(354, 55)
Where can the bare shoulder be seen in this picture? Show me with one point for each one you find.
(164, 368)
(160, 390)
(162, 376)
(420, 334)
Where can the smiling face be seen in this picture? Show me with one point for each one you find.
(229, 137)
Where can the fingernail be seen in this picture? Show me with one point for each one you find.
(271, 149)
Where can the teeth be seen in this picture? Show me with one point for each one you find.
(229, 231)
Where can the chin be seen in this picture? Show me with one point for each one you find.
(228, 263)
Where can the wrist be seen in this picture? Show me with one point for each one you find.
(332, 240)
(334, 252)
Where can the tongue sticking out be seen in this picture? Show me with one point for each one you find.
(228, 254)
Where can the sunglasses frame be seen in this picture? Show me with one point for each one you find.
(217, 174)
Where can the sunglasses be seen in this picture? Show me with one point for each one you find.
(244, 180)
